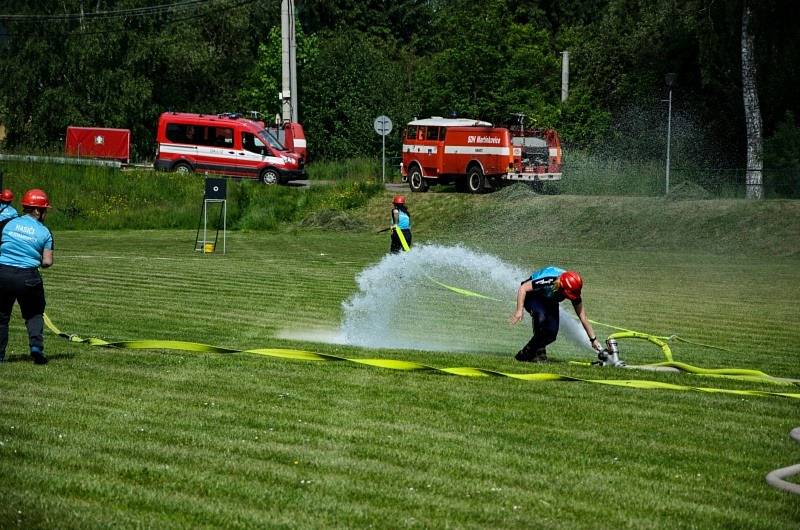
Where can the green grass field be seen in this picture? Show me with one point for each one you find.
(170, 439)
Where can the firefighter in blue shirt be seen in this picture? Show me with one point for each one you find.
(402, 220)
(540, 295)
(25, 245)
(6, 210)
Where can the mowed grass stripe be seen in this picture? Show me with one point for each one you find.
(379, 447)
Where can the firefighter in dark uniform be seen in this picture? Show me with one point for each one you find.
(540, 295)
(6, 210)
(402, 220)
(25, 245)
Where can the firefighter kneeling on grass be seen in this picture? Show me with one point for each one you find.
(402, 220)
(540, 295)
(25, 245)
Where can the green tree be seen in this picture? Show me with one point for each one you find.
(263, 82)
(121, 71)
(350, 82)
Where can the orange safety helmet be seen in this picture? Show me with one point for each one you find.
(571, 284)
(35, 198)
(7, 195)
(399, 199)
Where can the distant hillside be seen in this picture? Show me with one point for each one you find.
(516, 215)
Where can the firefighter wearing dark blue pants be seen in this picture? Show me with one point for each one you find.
(540, 295)
(25, 245)
(402, 220)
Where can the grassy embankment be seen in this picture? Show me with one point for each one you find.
(174, 439)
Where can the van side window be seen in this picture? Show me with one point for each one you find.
(411, 132)
(223, 137)
(185, 134)
(433, 133)
(443, 134)
(252, 143)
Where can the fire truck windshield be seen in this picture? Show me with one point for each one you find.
(268, 138)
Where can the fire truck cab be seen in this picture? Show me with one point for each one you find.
(475, 155)
(223, 144)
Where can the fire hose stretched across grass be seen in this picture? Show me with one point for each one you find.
(609, 357)
(775, 478)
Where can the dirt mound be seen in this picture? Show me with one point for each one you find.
(517, 191)
(333, 220)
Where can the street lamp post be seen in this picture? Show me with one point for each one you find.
(669, 79)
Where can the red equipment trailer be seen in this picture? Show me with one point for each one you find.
(99, 142)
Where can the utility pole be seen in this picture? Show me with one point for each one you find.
(564, 75)
(669, 79)
(288, 62)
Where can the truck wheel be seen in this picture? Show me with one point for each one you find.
(416, 181)
(269, 176)
(182, 168)
(475, 180)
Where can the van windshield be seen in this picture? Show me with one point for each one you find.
(268, 138)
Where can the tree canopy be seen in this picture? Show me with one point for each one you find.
(120, 63)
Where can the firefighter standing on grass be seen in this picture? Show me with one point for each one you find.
(6, 210)
(402, 220)
(25, 245)
(540, 295)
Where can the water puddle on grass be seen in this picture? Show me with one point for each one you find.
(399, 304)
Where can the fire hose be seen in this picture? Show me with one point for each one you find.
(776, 478)
(609, 356)
(394, 364)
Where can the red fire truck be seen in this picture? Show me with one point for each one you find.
(475, 155)
(223, 144)
(292, 136)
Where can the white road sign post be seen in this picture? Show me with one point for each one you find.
(383, 126)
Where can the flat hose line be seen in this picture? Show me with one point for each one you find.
(396, 364)
(776, 478)
(739, 374)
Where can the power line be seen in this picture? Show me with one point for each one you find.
(171, 20)
(119, 13)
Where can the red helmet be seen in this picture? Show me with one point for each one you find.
(571, 284)
(399, 199)
(35, 198)
(7, 195)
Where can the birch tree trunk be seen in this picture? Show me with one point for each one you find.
(752, 111)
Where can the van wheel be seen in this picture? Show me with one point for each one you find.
(416, 181)
(182, 168)
(269, 176)
(475, 180)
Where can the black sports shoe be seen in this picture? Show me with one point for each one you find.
(527, 356)
(38, 357)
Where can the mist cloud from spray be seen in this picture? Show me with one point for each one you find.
(398, 305)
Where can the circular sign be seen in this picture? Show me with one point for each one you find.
(383, 125)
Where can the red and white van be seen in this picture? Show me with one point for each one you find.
(223, 144)
(475, 155)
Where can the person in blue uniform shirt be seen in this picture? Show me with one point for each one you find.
(400, 219)
(6, 210)
(25, 245)
(540, 295)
